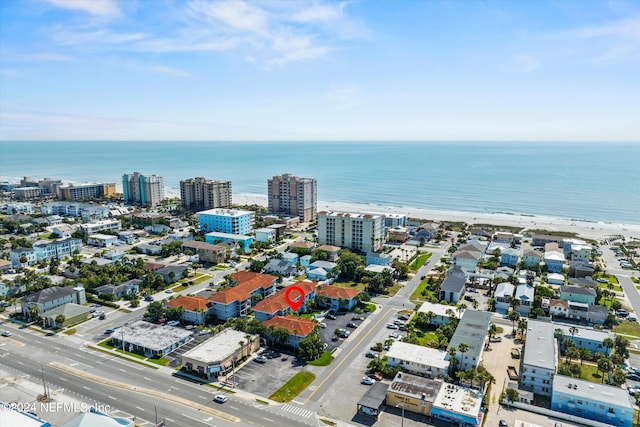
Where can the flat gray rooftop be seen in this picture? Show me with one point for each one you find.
(540, 349)
(219, 347)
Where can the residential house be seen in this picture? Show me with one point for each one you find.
(302, 245)
(57, 249)
(149, 249)
(244, 242)
(333, 251)
(524, 294)
(440, 314)
(22, 256)
(472, 330)
(216, 357)
(555, 279)
(580, 269)
(305, 261)
(597, 314)
(207, 253)
(297, 327)
(237, 301)
(281, 267)
(531, 258)
(540, 358)
(328, 266)
(554, 261)
(115, 292)
(397, 234)
(578, 252)
(335, 297)
(104, 225)
(504, 293)
(578, 294)
(543, 239)
(290, 257)
(466, 260)
(510, 257)
(452, 287)
(50, 298)
(318, 274)
(588, 400)
(503, 237)
(63, 231)
(427, 231)
(195, 308)
(585, 282)
(589, 338)
(171, 273)
(277, 304)
(420, 360)
(72, 314)
(265, 235)
(102, 240)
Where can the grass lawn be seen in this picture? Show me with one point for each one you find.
(419, 262)
(293, 387)
(325, 359)
(611, 278)
(352, 285)
(370, 308)
(614, 287)
(634, 279)
(70, 331)
(590, 373)
(417, 294)
(628, 328)
(426, 338)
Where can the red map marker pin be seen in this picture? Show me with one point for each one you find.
(294, 304)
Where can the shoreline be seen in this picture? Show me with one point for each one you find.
(587, 229)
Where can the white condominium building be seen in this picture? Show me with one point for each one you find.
(360, 232)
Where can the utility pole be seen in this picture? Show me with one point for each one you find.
(44, 383)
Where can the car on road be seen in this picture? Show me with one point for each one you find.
(261, 359)
(422, 277)
(371, 354)
(6, 333)
(375, 376)
(109, 331)
(168, 291)
(366, 381)
(392, 326)
(220, 398)
(148, 298)
(102, 317)
(503, 423)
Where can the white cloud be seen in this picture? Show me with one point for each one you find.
(105, 8)
(95, 38)
(237, 15)
(325, 12)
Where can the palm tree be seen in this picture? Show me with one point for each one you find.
(512, 395)
(514, 316)
(60, 318)
(584, 354)
(608, 343)
(463, 348)
(522, 326)
(605, 366)
(493, 330)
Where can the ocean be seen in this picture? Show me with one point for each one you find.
(594, 182)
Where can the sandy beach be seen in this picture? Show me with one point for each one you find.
(586, 229)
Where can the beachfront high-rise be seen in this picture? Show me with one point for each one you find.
(146, 190)
(360, 232)
(200, 193)
(292, 195)
(86, 191)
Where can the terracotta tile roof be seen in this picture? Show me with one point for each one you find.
(248, 282)
(336, 292)
(150, 265)
(559, 303)
(189, 303)
(194, 244)
(279, 302)
(292, 323)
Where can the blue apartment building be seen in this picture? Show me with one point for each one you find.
(230, 221)
(599, 402)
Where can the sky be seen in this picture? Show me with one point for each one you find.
(357, 70)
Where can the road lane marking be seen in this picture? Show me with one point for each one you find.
(147, 391)
(112, 398)
(333, 371)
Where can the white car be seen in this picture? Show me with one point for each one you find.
(366, 381)
(392, 326)
(220, 398)
(6, 333)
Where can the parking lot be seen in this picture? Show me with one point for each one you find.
(327, 334)
(265, 378)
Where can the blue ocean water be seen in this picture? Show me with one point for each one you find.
(583, 181)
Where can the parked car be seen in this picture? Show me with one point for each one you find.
(375, 376)
(260, 359)
(331, 316)
(352, 325)
(366, 381)
(495, 339)
(323, 325)
(503, 423)
(403, 317)
(220, 398)
(173, 323)
(6, 333)
(601, 280)
(391, 326)
(357, 318)
(371, 354)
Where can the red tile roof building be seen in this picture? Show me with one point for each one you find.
(195, 308)
(237, 301)
(277, 305)
(297, 327)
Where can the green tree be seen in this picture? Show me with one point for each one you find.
(311, 347)
(605, 366)
(608, 343)
(513, 316)
(60, 318)
(348, 265)
(155, 311)
(256, 266)
(512, 395)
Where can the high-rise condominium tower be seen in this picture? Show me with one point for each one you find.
(146, 190)
(292, 195)
(200, 193)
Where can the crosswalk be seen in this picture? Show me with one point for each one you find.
(297, 410)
